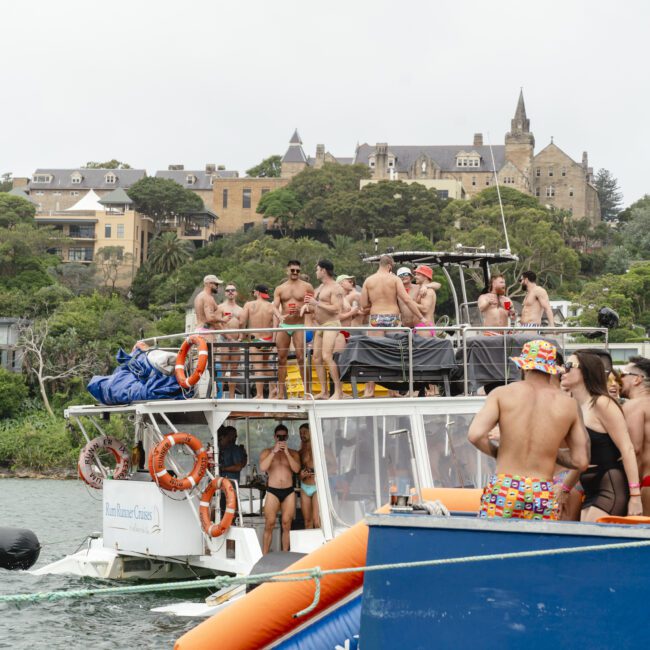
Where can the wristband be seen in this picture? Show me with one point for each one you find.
(565, 488)
(635, 495)
(634, 485)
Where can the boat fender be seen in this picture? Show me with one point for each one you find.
(181, 378)
(162, 476)
(19, 548)
(87, 466)
(209, 528)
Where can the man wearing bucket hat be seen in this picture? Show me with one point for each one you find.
(427, 301)
(535, 420)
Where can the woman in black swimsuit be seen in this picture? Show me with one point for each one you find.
(611, 482)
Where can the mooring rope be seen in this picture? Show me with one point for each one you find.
(313, 573)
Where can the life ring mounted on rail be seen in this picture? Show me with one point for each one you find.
(179, 369)
(87, 465)
(157, 458)
(209, 528)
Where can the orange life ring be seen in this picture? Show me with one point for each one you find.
(88, 470)
(217, 483)
(179, 369)
(159, 472)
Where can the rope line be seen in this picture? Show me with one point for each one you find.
(313, 573)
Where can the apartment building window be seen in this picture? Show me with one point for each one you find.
(107, 231)
(550, 171)
(537, 191)
(80, 254)
(246, 198)
(74, 193)
(538, 171)
(473, 180)
(42, 178)
(82, 232)
(76, 178)
(120, 231)
(570, 191)
(39, 193)
(191, 179)
(550, 192)
(563, 171)
(487, 180)
(110, 179)
(224, 200)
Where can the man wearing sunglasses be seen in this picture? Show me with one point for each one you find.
(230, 313)
(288, 300)
(635, 379)
(280, 463)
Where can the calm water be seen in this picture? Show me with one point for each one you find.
(62, 513)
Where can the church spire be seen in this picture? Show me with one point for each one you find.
(520, 123)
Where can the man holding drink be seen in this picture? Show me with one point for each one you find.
(288, 300)
(495, 307)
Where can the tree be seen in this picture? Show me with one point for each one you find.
(269, 168)
(609, 195)
(110, 164)
(163, 199)
(110, 261)
(6, 182)
(33, 338)
(14, 210)
(283, 206)
(636, 233)
(168, 252)
(13, 393)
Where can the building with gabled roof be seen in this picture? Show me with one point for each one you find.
(199, 181)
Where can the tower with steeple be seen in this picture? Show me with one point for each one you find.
(294, 160)
(520, 142)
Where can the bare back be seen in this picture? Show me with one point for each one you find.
(637, 417)
(381, 290)
(205, 308)
(534, 420)
(258, 313)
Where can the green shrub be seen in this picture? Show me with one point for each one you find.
(13, 392)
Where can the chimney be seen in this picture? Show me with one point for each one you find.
(176, 168)
(585, 161)
(19, 182)
(320, 155)
(381, 160)
(478, 139)
(210, 168)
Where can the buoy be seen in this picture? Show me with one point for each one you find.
(19, 548)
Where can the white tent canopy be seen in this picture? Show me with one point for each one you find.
(88, 203)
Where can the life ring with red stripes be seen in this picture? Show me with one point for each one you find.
(159, 453)
(209, 528)
(88, 469)
(179, 369)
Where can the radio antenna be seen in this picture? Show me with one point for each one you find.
(496, 182)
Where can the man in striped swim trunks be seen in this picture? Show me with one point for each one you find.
(535, 420)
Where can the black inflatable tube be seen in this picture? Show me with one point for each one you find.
(19, 548)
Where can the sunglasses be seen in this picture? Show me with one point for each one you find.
(404, 275)
(231, 290)
(625, 373)
(282, 437)
(571, 364)
(294, 270)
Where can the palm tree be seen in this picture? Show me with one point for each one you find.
(168, 253)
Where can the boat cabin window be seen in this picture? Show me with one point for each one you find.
(454, 461)
(364, 455)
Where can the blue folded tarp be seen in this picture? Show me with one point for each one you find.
(134, 380)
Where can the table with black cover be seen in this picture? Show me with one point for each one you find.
(385, 360)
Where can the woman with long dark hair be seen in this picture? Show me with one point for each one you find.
(611, 482)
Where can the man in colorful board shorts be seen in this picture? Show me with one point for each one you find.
(535, 421)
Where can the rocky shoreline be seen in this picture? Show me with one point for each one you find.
(26, 472)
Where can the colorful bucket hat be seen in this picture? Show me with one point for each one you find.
(537, 355)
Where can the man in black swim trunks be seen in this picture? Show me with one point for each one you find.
(280, 463)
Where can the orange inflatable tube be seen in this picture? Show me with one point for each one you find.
(266, 614)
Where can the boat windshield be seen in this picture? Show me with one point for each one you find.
(365, 455)
(454, 461)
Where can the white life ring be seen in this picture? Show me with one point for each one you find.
(87, 465)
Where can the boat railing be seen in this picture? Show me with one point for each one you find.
(459, 336)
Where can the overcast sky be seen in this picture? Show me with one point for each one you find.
(204, 81)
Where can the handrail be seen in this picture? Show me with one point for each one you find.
(463, 330)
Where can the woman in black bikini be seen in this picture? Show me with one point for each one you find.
(611, 482)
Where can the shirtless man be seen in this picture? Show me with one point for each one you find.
(288, 300)
(495, 307)
(415, 291)
(380, 294)
(353, 315)
(280, 463)
(636, 387)
(259, 313)
(205, 306)
(535, 303)
(426, 298)
(326, 306)
(535, 421)
(230, 312)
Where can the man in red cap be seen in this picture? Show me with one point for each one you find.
(426, 298)
(259, 313)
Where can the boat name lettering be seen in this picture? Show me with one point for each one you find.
(136, 512)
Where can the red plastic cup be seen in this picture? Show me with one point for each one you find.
(507, 305)
(292, 307)
(227, 314)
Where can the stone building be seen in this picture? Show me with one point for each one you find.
(198, 181)
(551, 175)
(55, 190)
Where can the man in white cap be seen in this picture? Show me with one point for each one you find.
(205, 306)
(352, 316)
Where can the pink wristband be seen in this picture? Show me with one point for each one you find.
(565, 488)
(634, 485)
